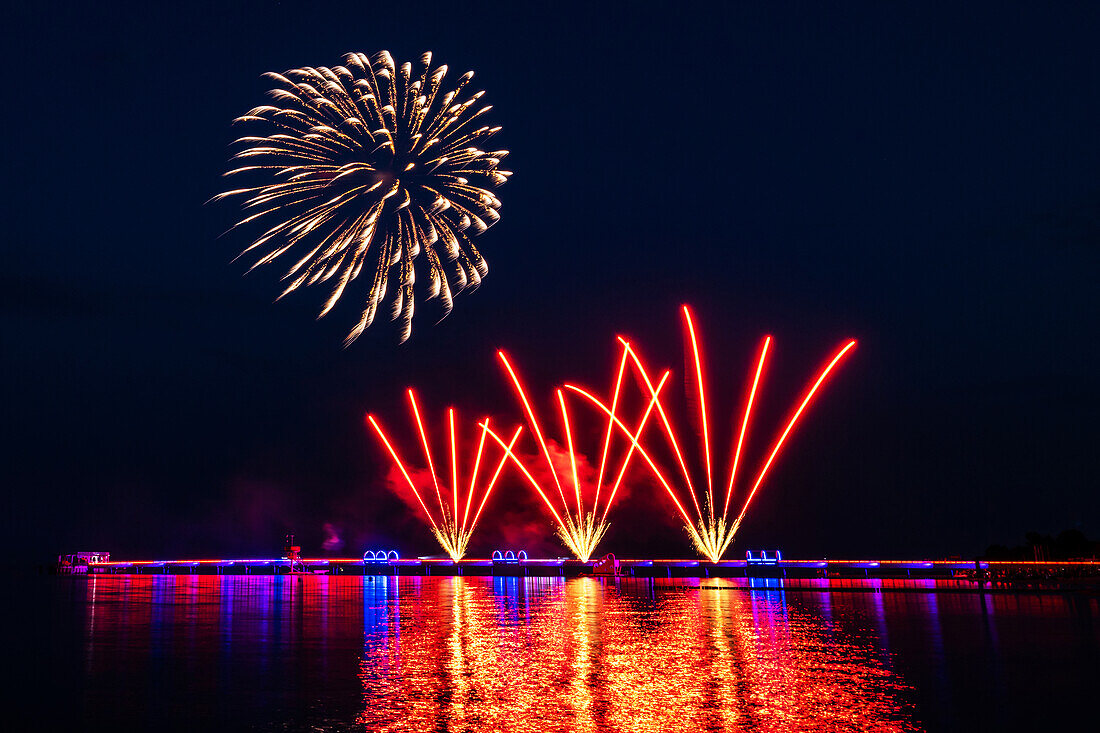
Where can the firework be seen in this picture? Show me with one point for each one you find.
(453, 525)
(581, 523)
(367, 166)
(709, 526)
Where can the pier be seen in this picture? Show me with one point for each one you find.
(388, 563)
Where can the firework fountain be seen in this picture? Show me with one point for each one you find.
(582, 520)
(582, 523)
(454, 525)
(709, 526)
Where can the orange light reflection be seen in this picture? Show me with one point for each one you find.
(539, 654)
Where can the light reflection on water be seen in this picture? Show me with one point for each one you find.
(522, 654)
(538, 654)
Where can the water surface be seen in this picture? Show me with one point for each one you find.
(330, 653)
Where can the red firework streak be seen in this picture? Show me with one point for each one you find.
(709, 526)
(454, 525)
(581, 523)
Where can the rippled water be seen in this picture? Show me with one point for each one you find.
(527, 654)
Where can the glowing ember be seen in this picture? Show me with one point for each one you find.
(454, 526)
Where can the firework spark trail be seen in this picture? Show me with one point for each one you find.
(610, 423)
(702, 406)
(636, 446)
(710, 530)
(454, 528)
(667, 425)
(745, 422)
(581, 531)
(368, 165)
(790, 425)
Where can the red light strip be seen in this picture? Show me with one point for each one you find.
(640, 368)
(454, 465)
(400, 465)
(473, 479)
(572, 455)
(745, 422)
(500, 467)
(638, 447)
(533, 422)
(610, 427)
(637, 434)
(702, 403)
(427, 450)
(779, 443)
(531, 479)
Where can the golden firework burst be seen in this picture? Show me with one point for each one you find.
(370, 165)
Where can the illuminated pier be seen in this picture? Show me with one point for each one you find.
(388, 563)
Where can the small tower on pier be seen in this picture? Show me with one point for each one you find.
(293, 553)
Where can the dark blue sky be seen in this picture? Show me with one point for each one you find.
(925, 178)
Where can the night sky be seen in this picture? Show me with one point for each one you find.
(923, 178)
